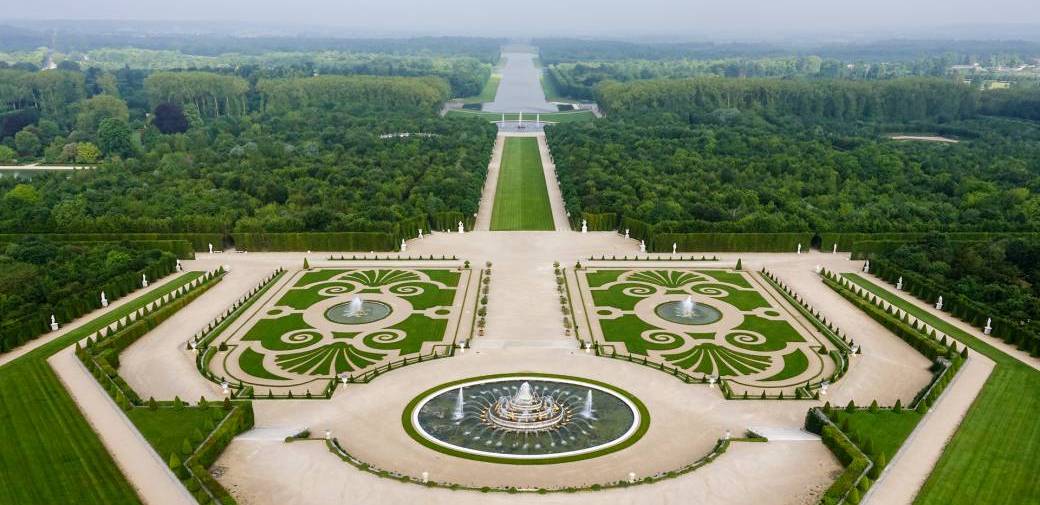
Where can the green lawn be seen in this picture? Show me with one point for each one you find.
(994, 455)
(521, 198)
(49, 452)
(552, 117)
(166, 428)
(487, 94)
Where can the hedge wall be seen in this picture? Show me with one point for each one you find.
(198, 241)
(15, 333)
(329, 241)
(1024, 336)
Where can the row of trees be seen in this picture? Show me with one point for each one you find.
(893, 100)
(418, 94)
(741, 173)
(39, 278)
(1002, 274)
(208, 94)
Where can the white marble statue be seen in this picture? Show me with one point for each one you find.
(989, 326)
(799, 248)
(462, 229)
(626, 233)
(675, 247)
(866, 267)
(420, 234)
(54, 323)
(144, 281)
(211, 247)
(899, 283)
(584, 226)
(939, 304)
(834, 250)
(404, 247)
(104, 301)
(642, 247)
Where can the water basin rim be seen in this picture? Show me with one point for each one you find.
(640, 418)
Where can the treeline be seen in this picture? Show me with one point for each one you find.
(894, 100)
(579, 79)
(1014, 102)
(948, 52)
(466, 75)
(81, 39)
(40, 278)
(419, 94)
(997, 279)
(741, 173)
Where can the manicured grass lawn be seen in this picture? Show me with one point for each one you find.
(885, 429)
(995, 452)
(488, 93)
(166, 428)
(50, 454)
(553, 117)
(521, 197)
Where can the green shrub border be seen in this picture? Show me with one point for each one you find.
(644, 422)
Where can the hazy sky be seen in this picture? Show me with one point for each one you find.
(565, 17)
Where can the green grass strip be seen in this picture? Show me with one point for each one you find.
(993, 456)
(521, 197)
(49, 453)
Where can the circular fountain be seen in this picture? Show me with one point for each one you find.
(357, 311)
(688, 311)
(526, 418)
(526, 411)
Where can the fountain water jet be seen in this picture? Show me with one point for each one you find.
(586, 410)
(356, 307)
(458, 414)
(686, 307)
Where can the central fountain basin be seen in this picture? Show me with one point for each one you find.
(355, 312)
(681, 312)
(524, 419)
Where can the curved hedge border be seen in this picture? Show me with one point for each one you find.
(644, 422)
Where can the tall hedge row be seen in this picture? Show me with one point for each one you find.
(198, 241)
(16, 333)
(328, 241)
(964, 308)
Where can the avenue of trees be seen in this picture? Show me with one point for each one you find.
(998, 278)
(39, 278)
(732, 171)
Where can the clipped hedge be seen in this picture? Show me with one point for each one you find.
(239, 420)
(16, 333)
(1025, 337)
(596, 222)
(921, 342)
(103, 354)
(198, 241)
(306, 241)
(730, 242)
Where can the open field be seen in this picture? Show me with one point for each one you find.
(550, 117)
(60, 458)
(521, 198)
(993, 456)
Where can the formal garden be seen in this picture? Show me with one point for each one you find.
(328, 325)
(709, 323)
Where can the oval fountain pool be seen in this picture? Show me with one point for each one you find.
(529, 418)
(688, 312)
(357, 311)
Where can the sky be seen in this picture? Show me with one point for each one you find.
(742, 19)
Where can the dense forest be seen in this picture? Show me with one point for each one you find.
(40, 278)
(734, 171)
(193, 151)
